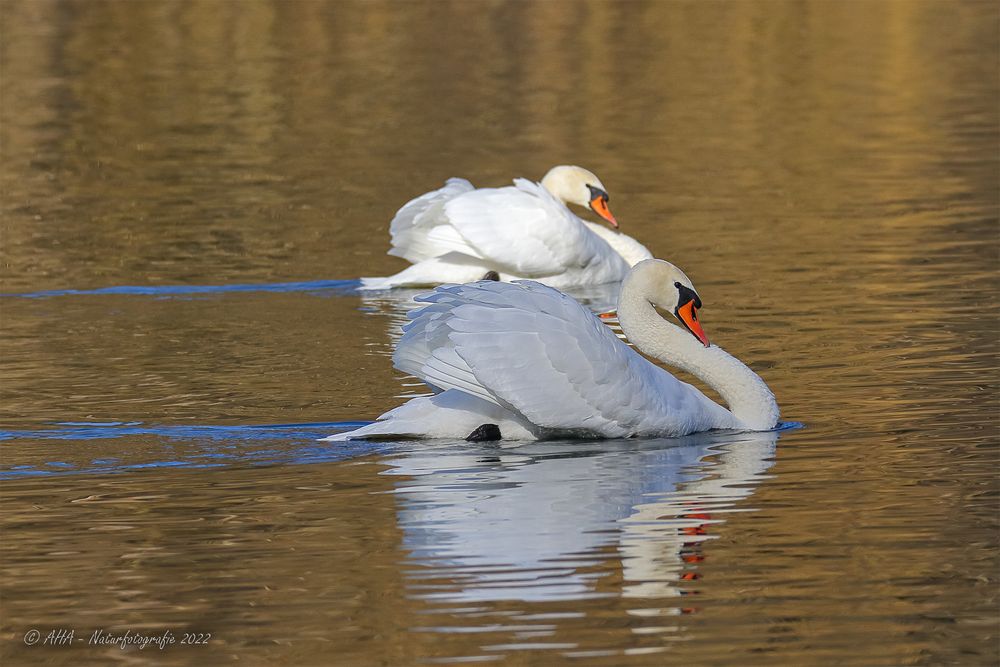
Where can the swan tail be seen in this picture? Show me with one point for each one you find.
(452, 267)
(451, 414)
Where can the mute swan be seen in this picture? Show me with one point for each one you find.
(456, 233)
(535, 364)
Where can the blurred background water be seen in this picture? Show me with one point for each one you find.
(825, 172)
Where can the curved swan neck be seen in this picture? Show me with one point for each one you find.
(749, 399)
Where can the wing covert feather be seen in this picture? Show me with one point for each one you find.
(523, 230)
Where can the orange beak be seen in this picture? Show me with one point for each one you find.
(599, 205)
(688, 314)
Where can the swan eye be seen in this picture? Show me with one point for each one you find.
(685, 295)
(597, 193)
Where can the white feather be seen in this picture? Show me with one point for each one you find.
(458, 233)
(529, 355)
(414, 229)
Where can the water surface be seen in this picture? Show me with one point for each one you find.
(191, 190)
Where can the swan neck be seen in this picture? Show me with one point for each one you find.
(750, 401)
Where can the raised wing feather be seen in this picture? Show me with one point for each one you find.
(540, 354)
(420, 231)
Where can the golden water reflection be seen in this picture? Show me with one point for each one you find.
(825, 172)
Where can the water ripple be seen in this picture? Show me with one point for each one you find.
(321, 286)
(175, 446)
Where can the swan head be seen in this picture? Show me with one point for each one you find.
(665, 286)
(576, 185)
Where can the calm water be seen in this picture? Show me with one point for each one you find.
(825, 172)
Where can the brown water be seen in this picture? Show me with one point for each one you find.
(826, 172)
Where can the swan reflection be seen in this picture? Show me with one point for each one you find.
(531, 522)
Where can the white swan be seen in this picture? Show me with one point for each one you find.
(537, 364)
(457, 233)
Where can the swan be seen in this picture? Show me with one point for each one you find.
(525, 230)
(523, 361)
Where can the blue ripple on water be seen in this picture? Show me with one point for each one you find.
(108, 430)
(335, 286)
(211, 446)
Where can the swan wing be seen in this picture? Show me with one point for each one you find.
(540, 354)
(523, 230)
(420, 229)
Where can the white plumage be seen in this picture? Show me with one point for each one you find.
(457, 233)
(538, 364)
